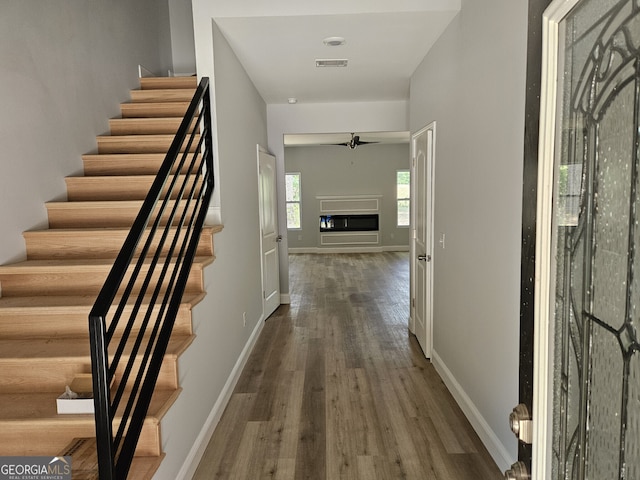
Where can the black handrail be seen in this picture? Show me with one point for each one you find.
(173, 212)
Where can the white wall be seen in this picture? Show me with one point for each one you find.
(324, 118)
(233, 281)
(473, 84)
(64, 68)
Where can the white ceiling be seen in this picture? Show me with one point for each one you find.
(278, 42)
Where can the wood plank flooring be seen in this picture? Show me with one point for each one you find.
(337, 388)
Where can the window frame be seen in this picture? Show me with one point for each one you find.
(403, 199)
(293, 202)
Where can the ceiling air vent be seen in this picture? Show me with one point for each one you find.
(331, 63)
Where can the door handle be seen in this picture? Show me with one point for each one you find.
(424, 258)
(279, 238)
(518, 471)
(521, 423)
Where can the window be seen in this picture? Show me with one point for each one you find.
(403, 191)
(293, 200)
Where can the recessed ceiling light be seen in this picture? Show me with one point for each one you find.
(333, 41)
(292, 100)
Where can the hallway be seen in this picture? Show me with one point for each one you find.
(336, 387)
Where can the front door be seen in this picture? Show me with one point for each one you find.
(587, 354)
(423, 147)
(269, 237)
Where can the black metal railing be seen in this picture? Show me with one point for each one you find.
(149, 276)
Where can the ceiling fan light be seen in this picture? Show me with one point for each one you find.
(333, 41)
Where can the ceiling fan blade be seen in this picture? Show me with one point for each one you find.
(356, 141)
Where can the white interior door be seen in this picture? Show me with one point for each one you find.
(423, 148)
(269, 237)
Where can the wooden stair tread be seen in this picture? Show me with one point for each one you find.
(69, 304)
(98, 242)
(59, 316)
(68, 348)
(40, 407)
(208, 229)
(103, 213)
(123, 187)
(168, 82)
(104, 203)
(124, 181)
(71, 276)
(138, 143)
(85, 463)
(86, 264)
(107, 204)
(141, 126)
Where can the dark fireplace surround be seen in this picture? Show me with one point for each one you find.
(349, 223)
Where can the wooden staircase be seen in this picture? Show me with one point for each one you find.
(46, 299)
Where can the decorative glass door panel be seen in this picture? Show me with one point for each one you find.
(595, 237)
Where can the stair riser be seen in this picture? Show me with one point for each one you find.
(146, 126)
(154, 110)
(74, 325)
(150, 83)
(76, 281)
(78, 215)
(162, 95)
(31, 438)
(124, 164)
(55, 244)
(82, 189)
(138, 144)
(51, 375)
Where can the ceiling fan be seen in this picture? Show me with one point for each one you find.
(354, 142)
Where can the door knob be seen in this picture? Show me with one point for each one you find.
(279, 238)
(518, 471)
(521, 423)
(424, 258)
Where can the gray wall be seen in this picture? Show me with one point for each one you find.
(64, 68)
(233, 281)
(333, 170)
(473, 84)
(182, 42)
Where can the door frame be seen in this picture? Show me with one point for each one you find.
(543, 343)
(429, 221)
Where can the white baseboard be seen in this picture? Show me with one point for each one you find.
(285, 299)
(214, 215)
(396, 248)
(488, 437)
(192, 461)
(392, 248)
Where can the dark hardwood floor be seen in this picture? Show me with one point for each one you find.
(337, 387)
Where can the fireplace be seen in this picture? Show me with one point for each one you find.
(349, 223)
